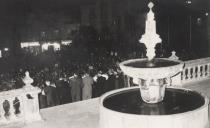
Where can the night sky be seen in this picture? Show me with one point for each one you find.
(16, 16)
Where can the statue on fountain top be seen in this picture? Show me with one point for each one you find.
(27, 80)
(150, 15)
(150, 37)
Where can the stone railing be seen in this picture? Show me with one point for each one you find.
(19, 106)
(196, 70)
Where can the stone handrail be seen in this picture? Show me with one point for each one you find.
(196, 70)
(19, 105)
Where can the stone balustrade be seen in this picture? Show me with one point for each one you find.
(196, 70)
(19, 106)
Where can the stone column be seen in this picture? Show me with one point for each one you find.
(31, 105)
(30, 100)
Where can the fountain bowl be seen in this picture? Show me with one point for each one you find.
(140, 68)
(153, 76)
(123, 108)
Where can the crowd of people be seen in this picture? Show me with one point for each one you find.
(60, 86)
(68, 82)
(76, 82)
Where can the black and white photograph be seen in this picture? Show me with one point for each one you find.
(104, 63)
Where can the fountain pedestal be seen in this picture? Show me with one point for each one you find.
(152, 90)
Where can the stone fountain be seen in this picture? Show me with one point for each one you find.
(154, 106)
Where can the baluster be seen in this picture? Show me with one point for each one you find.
(186, 74)
(205, 70)
(193, 72)
(208, 69)
(12, 109)
(199, 72)
(21, 107)
(189, 73)
(2, 112)
(202, 70)
(125, 80)
(196, 72)
(182, 75)
(128, 81)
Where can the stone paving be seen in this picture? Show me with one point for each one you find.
(202, 86)
(84, 114)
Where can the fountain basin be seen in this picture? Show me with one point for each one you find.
(162, 68)
(181, 108)
(153, 76)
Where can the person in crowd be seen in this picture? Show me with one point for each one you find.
(50, 92)
(87, 89)
(120, 78)
(42, 97)
(76, 87)
(63, 91)
(101, 84)
(131, 81)
(18, 82)
(94, 87)
(110, 81)
(116, 80)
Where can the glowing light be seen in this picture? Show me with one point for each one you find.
(188, 1)
(55, 45)
(66, 42)
(44, 47)
(29, 44)
(6, 49)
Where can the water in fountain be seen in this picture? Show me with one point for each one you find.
(154, 63)
(176, 101)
